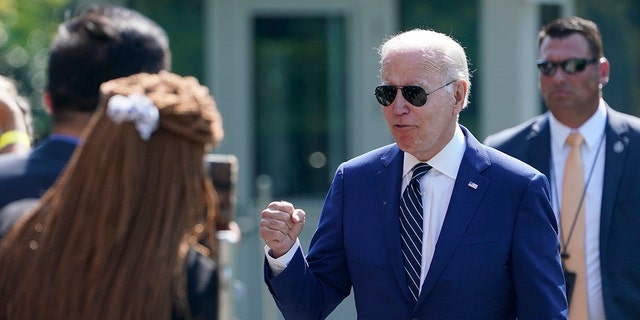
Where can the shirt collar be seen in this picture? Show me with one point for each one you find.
(447, 161)
(591, 130)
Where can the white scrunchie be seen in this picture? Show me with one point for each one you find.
(137, 108)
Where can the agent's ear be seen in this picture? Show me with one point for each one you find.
(48, 103)
(604, 69)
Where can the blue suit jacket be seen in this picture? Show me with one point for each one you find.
(620, 212)
(30, 175)
(497, 256)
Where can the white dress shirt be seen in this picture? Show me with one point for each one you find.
(436, 188)
(593, 151)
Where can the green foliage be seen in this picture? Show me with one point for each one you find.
(26, 30)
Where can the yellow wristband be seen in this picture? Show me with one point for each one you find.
(14, 137)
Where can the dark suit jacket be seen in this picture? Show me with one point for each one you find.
(620, 212)
(497, 256)
(202, 276)
(30, 175)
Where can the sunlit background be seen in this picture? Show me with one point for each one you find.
(294, 81)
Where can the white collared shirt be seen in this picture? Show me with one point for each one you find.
(593, 132)
(436, 188)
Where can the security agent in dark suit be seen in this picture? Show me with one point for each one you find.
(103, 43)
(573, 70)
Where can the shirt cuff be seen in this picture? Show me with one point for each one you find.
(277, 265)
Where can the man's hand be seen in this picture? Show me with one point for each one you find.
(280, 225)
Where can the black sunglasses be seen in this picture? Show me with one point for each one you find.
(414, 94)
(571, 66)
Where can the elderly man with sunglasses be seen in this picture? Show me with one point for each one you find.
(600, 230)
(433, 226)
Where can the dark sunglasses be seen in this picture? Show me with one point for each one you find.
(414, 94)
(571, 66)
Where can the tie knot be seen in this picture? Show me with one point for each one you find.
(574, 139)
(419, 170)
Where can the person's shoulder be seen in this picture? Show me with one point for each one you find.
(504, 164)
(56, 150)
(202, 284)
(46, 151)
(372, 161)
(619, 119)
(12, 169)
(199, 264)
(44, 163)
(496, 160)
(9, 161)
(385, 152)
(515, 134)
(13, 211)
(26, 176)
(498, 156)
(34, 167)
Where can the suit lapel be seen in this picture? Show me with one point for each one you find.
(615, 153)
(468, 191)
(388, 184)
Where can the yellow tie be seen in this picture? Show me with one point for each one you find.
(572, 226)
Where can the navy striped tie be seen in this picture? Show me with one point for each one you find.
(411, 228)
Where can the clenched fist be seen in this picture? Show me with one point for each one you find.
(280, 225)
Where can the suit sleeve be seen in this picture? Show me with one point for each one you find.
(311, 287)
(537, 271)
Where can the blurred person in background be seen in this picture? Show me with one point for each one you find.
(103, 43)
(16, 132)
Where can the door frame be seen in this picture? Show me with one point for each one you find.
(229, 66)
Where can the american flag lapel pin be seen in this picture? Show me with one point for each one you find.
(473, 185)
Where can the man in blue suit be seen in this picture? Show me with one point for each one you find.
(103, 43)
(573, 70)
(487, 246)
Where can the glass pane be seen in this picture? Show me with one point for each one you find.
(184, 28)
(299, 102)
(459, 19)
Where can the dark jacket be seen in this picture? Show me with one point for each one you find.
(620, 211)
(30, 175)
